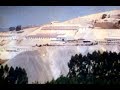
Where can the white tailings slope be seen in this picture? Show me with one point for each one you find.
(36, 68)
(50, 62)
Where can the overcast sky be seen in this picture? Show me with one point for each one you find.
(37, 15)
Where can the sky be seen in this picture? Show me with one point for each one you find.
(39, 15)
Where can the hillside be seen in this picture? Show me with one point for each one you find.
(111, 17)
(45, 51)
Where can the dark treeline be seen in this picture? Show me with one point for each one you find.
(96, 68)
(12, 76)
(17, 28)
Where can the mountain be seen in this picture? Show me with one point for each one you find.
(44, 51)
(105, 20)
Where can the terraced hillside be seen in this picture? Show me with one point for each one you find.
(44, 51)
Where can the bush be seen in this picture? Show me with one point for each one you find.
(104, 16)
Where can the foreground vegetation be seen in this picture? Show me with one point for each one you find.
(12, 76)
(96, 68)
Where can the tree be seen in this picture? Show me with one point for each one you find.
(1, 74)
(11, 28)
(13, 76)
(96, 68)
(18, 28)
(22, 76)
